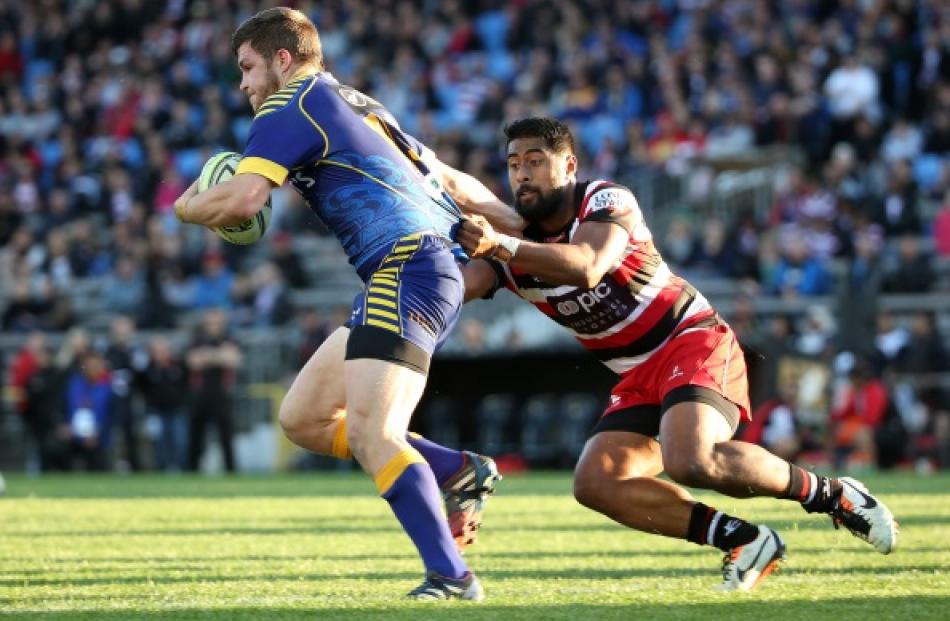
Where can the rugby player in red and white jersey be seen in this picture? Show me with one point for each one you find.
(587, 260)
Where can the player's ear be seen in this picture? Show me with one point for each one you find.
(284, 59)
(570, 166)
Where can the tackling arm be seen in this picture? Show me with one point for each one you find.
(594, 249)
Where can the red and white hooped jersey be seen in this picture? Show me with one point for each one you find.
(636, 307)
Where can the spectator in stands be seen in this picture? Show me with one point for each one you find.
(926, 355)
(858, 292)
(33, 382)
(773, 342)
(903, 142)
(941, 227)
(774, 426)
(26, 310)
(87, 428)
(213, 360)
(313, 330)
(712, 255)
(213, 286)
(744, 241)
(852, 91)
(263, 297)
(798, 273)
(897, 209)
(125, 290)
(678, 244)
(855, 420)
(165, 387)
(913, 272)
(890, 342)
(288, 262)
(126, 361)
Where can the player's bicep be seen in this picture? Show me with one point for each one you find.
(481, 280)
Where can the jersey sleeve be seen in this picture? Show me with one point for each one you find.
(280, 140)
(614, 204)
(502, 279)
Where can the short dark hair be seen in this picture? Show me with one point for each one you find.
(280, 28)
(557, 136)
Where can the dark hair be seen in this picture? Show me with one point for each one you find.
(280, 28)
(556, 135)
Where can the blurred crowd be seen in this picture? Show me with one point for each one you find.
(124, 402)
(108, 108)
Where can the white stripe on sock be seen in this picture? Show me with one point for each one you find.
(712, 528)
(812, 487)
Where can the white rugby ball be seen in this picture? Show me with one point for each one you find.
(221, 167)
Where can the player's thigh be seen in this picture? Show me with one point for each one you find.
(381, 396)
(317, 394)
(616, 456)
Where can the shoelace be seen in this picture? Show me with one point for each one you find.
(855, 524)
(728, 560)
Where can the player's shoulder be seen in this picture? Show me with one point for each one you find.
(602, 197)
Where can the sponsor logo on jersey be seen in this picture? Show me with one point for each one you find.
(611, 200)
(584, 301)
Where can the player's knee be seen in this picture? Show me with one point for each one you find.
(590, 488)
(364, 438)
(291, 419)
(690, 470)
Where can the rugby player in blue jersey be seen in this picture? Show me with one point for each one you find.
(392, 205)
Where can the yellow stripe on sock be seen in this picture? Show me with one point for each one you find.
(388, 474)
(341, 447)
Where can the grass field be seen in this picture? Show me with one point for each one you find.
(324, 547)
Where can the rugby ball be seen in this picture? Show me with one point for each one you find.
(221, 167)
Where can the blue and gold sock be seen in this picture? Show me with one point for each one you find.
(408, 485)
(341, 446)
(444, 461)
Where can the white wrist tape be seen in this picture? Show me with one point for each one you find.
(508, 246)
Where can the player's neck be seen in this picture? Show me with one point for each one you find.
(299, 71)
(563, 215)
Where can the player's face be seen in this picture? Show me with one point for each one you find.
(259, 79)
(538, 177)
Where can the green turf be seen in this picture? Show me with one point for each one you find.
(324, 547)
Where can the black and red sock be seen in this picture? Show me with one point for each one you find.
(816, 493)
(715, 528)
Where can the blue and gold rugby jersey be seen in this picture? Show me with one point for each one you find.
(347, 157)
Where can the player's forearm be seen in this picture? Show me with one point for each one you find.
(559, 264)
(220, 205)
